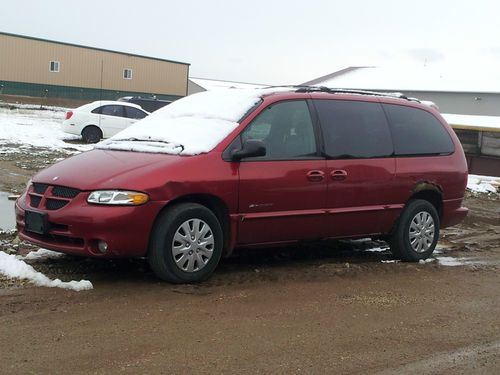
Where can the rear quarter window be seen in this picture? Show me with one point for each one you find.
(417, 132)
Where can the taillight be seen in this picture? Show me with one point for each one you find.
(69, 114)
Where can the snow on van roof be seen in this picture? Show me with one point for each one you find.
(189, 126)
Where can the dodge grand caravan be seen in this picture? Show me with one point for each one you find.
(220, 170)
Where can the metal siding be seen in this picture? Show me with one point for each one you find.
(490, 144)
(78, 93)
(27, 60)
(485, 104)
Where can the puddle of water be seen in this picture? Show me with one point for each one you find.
(7, 215)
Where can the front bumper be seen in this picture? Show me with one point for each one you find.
(77, 227)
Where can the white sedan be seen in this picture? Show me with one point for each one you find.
(101, 119)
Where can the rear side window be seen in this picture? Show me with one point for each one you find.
(112, 110)
(135, 113)
(417, 132)
(354, 130)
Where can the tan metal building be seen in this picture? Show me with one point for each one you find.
(44, 68)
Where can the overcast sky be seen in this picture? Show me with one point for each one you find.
(272, 41)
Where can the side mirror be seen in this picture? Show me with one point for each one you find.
(251, 148)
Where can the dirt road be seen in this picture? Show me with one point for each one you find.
(336, 307)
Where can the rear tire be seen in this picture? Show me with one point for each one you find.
(417, 231)
(186, 244)
(91, 134)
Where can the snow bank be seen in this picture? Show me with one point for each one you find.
(11, 266)
(189, 126)
(483, 184)
(34, 128)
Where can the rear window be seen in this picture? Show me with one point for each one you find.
(354, 130)
(417, 132)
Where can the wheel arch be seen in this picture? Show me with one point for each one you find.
(431, 193)
(91, 126)
(214, 204)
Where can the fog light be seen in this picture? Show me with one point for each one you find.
(102, 246)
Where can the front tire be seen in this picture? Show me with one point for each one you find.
(186, 244)
(417, 231)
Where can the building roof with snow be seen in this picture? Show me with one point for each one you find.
(398, 78)
(204, 84)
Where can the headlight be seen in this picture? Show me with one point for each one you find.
(117, 197)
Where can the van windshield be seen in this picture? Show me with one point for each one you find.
(189, 126)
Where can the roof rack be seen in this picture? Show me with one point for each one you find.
(305, 88)
(357, 92)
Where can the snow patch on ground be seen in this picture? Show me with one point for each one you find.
(450, 261)
(41, 254)
(464, 261)
(34, 128)
(377, 249)
(424, 261)
(11, 266)
(483, 184)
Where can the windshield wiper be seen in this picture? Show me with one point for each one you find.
(133, 139)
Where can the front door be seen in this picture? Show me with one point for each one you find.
(282, 195)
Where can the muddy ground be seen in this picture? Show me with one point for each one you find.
(326, 308)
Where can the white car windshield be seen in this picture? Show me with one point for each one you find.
(189, 126)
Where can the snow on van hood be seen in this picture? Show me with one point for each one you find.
(188, 126)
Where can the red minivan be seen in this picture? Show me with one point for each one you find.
(236, 168)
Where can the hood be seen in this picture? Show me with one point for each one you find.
(103, 169)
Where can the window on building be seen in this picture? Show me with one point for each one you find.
(54, 66)
(127, 73)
